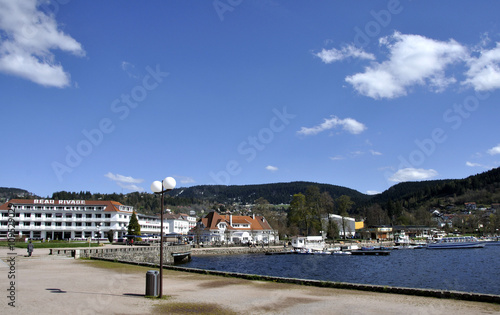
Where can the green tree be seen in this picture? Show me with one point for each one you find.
(314, 210)
(133, 226)
(298, 215)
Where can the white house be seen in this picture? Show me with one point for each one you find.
(216, 228)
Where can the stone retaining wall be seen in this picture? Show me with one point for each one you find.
(133, 254)
(234, 250)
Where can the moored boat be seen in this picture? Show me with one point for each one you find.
(456, 242)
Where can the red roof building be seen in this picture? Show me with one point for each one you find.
(234, 229)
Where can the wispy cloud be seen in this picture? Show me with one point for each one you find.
(412, 174)
(337, 158)
(372, 192)
(271, 168)
(332, 55)
(126, 182)
(184, 179)
(29, 36)
(129, 68)
(471, 164)
(348, 124)
(373, 152)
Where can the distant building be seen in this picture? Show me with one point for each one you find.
(377, 233)
(470, 206)
(345, 224)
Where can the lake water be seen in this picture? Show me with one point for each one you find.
(468, 270)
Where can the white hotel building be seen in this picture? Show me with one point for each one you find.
(73, 219)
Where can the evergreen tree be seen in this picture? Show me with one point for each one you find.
(133, 226)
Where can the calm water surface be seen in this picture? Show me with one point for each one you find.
(469, 270)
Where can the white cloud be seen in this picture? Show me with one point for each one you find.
(126, 182)
(271, 168)
(123, 179)
(373, 152)
(184, 179)
(131, 187)
(412, 174)
(129, 68)
(484, 71)
(337, 158)
(494, 150)
(332, 55)
(348, 124)
(413, 60)
(372, 192)
(471, 164)
(28, 37)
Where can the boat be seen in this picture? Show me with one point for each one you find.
(339, 252)
(456, 242)
(308, 243)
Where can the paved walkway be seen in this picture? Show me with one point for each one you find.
(58, 285)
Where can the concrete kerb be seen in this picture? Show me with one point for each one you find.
(442, 294)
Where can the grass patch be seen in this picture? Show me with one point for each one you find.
(51, 244)
(117, 266)
(191, 308)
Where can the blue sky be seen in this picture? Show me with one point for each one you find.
(111, 96)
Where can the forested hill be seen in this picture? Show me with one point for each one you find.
(11, 193)
(277, 193)
(480, 188)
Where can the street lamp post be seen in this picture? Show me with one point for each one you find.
(99, 233)
(160, 188)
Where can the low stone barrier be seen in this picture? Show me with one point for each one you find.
(133, 254)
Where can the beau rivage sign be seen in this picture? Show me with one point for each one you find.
(58, 202)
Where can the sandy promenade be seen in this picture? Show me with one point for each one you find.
(55, 285)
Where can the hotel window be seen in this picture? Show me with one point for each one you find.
(48, 215)
(78, 223)
(88, 216)
(78, 215)
(38, 215)
(98, 215)
(26, 223)
(88, 223)
(69, 223)
(69, 215)
(58, 215)
(48, 223)
(27, 215)
(38, 223)
(58, 223)
(107, 216)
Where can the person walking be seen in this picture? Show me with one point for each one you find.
(30, 249)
